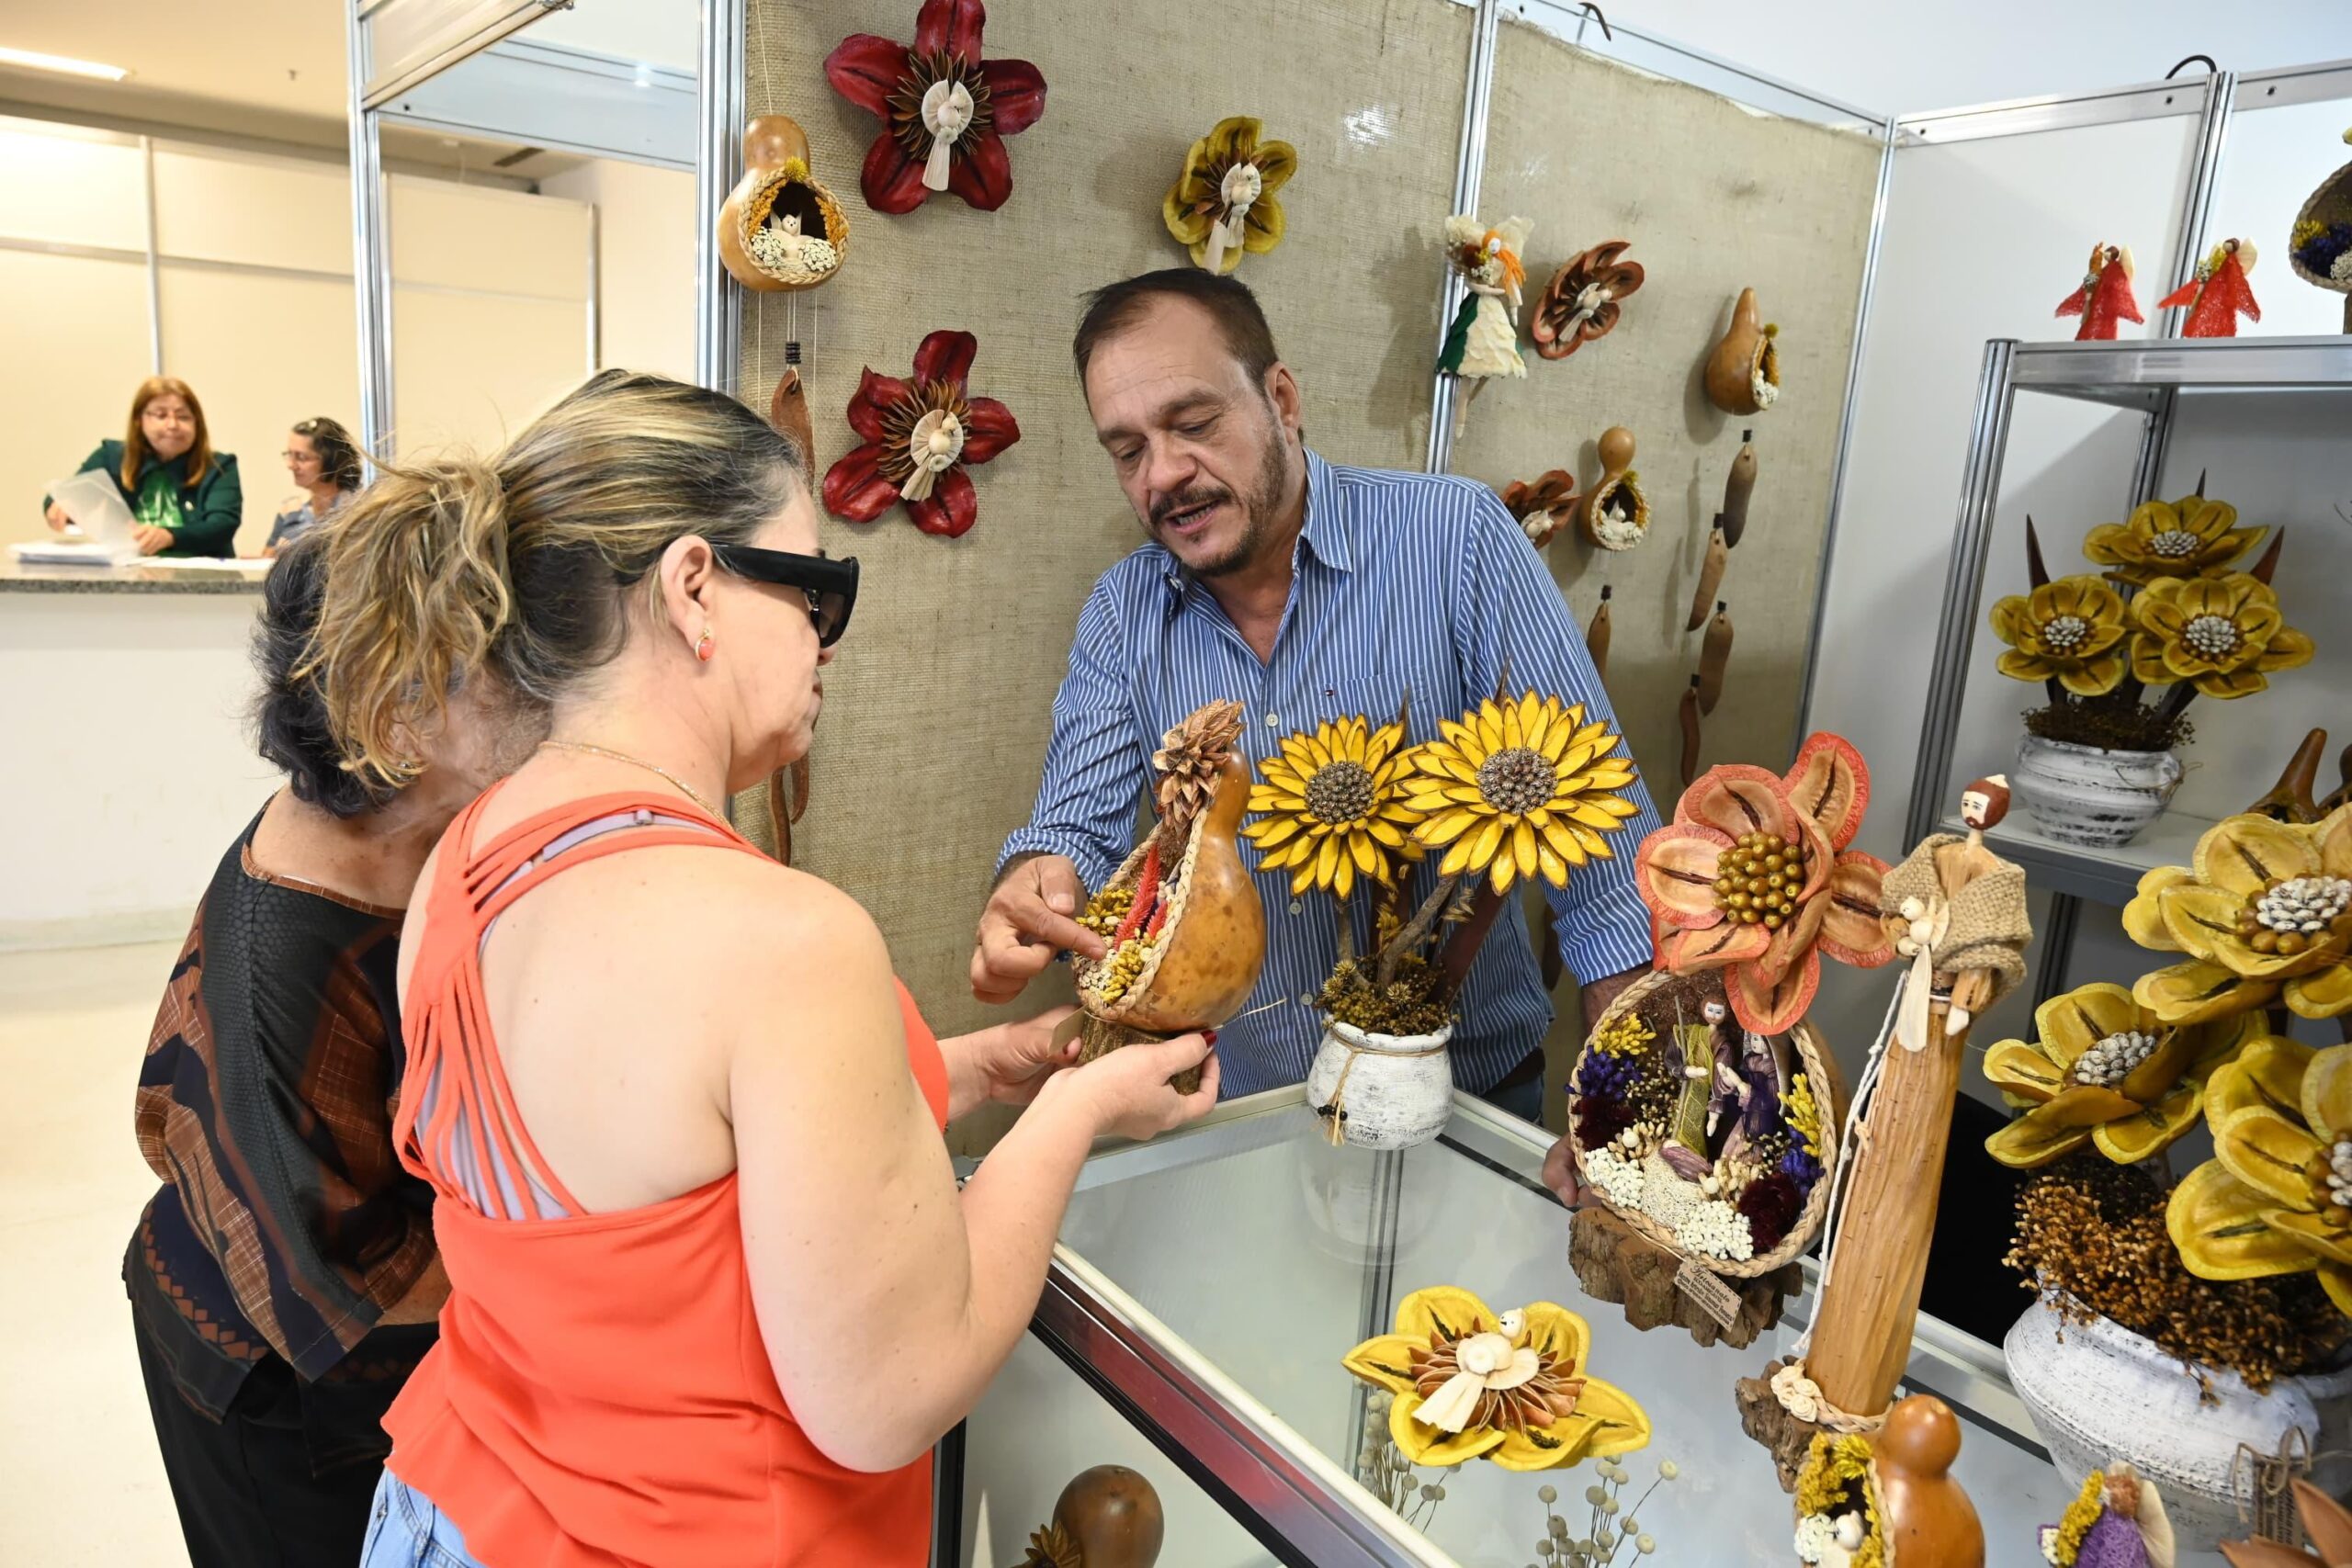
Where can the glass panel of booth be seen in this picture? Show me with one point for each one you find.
(1256, 1255)
(566, 245)
(2286, 139)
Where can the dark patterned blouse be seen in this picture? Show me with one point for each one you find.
(286, 1224)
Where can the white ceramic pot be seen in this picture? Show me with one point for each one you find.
(1397, 1090)
(2100, 1393)
(2091, 796)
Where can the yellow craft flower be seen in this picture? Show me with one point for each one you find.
(1519, 789)
(1332, 806)
(2223, 633)
(1509, 1387)
(2276, 1198)
(2104, 1070)
(2072, 629)
(1230, 174)
(2188, 537)
(2264, 908)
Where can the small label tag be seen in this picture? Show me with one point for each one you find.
(1703, 1286)
(1067, 1030)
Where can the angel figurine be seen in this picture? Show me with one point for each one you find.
(1484, 341)
(2105, 297)
(2219, 294)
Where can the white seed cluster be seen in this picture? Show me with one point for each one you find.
(791, 255)
(2173, 544)
(1815, 1534)
(2063, 633)
(1619, 1179)
(2303, 904)
(2110, 1061)
(1666, 1196)
(1715, 1229)
(2215, 637)
(2342, 270)
(2339, 1173)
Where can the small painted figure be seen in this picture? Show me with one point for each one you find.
(2105, 298)
(2219, 294)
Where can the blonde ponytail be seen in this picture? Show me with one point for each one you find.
(444, 570)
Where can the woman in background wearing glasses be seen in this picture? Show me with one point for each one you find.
(325, 462)
(714, 1293)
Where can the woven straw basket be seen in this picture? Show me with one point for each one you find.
(1664, 990)
(2332, 203)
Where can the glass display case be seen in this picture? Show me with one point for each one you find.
(1208, 1283)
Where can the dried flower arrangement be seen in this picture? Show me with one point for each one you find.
(1468, 1382)
(2092, 1240)
(1697, 1107)
(1181, 917)
(1613, 1532)
(2168, 611)
(2321, 243)
(1223, 202)
(944, 111)
(1514, 789)
(919, 436)
(1841, 1520)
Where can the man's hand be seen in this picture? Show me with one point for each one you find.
(1030, 917)
(1560, 1166)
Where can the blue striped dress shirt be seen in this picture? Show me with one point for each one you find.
(1398, 581)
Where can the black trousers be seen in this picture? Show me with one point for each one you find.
(246, 1490)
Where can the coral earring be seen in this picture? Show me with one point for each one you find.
(705, 645)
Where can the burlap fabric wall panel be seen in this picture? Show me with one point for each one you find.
(1714, 198)
(937, 709)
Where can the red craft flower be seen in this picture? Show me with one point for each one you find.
(1753, 877)
(944, 111)
(920, 434)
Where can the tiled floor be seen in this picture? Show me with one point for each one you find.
(80, 1482)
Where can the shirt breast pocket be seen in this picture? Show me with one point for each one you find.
(1376, 698)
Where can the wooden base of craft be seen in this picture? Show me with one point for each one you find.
(1099, 1037)
(1614, 1265)
(1762, 1417)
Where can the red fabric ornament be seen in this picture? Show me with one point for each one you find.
(2105, 297)
(931, 415)
(940, 85)
(2216, 302)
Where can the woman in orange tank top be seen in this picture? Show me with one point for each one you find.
(714, 1293)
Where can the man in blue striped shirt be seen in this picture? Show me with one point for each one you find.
(1308, 591)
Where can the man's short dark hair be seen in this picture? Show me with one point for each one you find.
(1115, 307)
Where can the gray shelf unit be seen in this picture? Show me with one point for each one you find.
(2148, 376)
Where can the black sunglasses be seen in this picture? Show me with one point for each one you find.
(831, 585)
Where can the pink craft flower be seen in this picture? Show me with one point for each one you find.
(920, 434)
(944, 111)
(1753, 877)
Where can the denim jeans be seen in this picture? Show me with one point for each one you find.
(405, 1530)
(1524, 1101)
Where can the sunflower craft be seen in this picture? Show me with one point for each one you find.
(1514, 790)
(1224, 202)
(1469, 1382)
(2169, 609)
(2263, 912)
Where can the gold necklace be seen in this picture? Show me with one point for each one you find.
(692, 793)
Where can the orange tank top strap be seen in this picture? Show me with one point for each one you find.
(464, 1115)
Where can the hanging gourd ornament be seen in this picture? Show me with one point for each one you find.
(1224, 203)
(1616, 513)
(920, 435)
(2320, 246)
(944, 111)
(780, 229)
(1744, 372)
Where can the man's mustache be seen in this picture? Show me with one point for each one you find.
(1184, 500)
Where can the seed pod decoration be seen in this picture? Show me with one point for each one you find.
(1710, 576)
(1714, 658)
(1596, 637)
(1737, 486)
(1690, 734)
